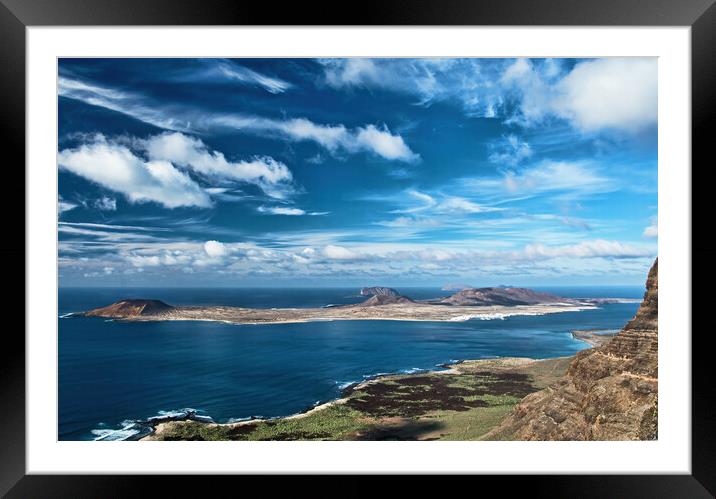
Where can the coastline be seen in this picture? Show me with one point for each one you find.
(510, 378)
(594, 337)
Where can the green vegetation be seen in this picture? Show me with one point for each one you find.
(331, 423)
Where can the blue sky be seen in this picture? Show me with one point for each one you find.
(402, 172)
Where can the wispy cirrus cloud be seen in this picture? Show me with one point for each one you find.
(236, 72)
(435, 202)
(288, 211)
(373, 139)
(123, 101)
(566, 179)
(600, 94)
(64, 205)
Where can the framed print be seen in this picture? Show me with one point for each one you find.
(430, 242)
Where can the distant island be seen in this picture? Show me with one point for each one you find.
(383, 304)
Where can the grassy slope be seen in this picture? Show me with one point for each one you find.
(463, 404)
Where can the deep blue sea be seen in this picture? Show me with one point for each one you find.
(111, 373)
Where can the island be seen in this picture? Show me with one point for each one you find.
(382, 304)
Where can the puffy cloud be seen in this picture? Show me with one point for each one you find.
(215, 249)
(272, 176)
(615, 93)
(379, 141)
(612, 93)
(115, 167)
(652, 231)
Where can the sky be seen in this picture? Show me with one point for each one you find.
(356, 172)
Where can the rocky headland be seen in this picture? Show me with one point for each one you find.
(607, 393)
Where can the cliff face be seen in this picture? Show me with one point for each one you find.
(130, 308)
(607, 393)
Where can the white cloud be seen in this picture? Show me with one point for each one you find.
(289, 210)
(281, 210)
(445, 204)
(213, 259)
(557, 176)
(335, 252)
(511, 150)
(383, 143)
(106, 203)
(470, 82)
(115, 167)
(334, 138)
(272, 176)
(353, 72)
(652, 231)
(456, 204)
(64, 206)
(568, 180)
(121, 101)
(245, 75)
(144, 261)
(614, 93)
(587, 249)
(215, 249)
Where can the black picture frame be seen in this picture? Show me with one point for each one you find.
(16, 15)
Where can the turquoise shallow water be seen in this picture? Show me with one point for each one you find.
(111, 373)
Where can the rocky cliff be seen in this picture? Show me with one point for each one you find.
(130, 309)
(607, 393)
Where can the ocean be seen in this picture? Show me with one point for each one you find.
(112, 373)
